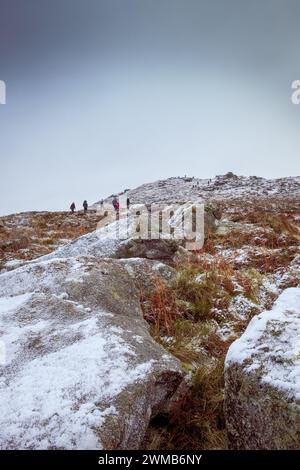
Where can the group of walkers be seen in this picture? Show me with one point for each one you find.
(84, 205)
(197, 184)
(115, 203)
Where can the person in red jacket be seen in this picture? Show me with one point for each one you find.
(115, 203)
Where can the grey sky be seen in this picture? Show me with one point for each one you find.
(108, 94)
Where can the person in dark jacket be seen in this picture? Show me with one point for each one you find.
(128, 203)
(72, 207)
(85, 206)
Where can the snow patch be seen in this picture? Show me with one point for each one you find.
(271, 342)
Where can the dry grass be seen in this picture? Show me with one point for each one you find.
(196, 420)
(27, 236)
(270, 261)
(196, 304)
(184, 311)
(162, 308)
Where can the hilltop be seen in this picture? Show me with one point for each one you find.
(228, 186)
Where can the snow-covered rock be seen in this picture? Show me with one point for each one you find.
(150, 249)
(262, 379)
(79, 369)
(145, 272)
(114, 241)
(103, 242)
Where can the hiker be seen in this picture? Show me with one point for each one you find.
(116, 203)
(128, 203)
(85, 206)
(101, 203)
(72, 207)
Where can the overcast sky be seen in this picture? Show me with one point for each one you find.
(104, 95)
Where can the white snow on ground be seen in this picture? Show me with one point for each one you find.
(240, 306)
(52, 400)
(13, 263)
(272, 341)
(7, 304)
(102, 242)
(10, 333)
(46, 275)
